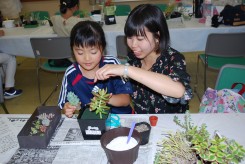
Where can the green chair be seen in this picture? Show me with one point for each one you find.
(50, 48)
(76, 13)
(162, 6)
(122, 10)
(40, 15)
(230, 74)
(221, 49)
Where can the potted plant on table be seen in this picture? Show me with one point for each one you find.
(92, 117)
(194, 145)
(40, 127)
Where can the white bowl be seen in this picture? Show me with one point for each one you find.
(96, 17)
(8, 23)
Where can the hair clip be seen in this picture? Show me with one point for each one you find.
(64, 3)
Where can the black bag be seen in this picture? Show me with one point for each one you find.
(233, 15)
(59, 62)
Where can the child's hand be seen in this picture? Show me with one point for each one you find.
(69, 109)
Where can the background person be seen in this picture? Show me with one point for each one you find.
(62, 24)
(9, 68)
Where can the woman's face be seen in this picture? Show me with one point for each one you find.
(88, 57)
(142, 46)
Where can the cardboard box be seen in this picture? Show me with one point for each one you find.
(92, 127)
(26, 140)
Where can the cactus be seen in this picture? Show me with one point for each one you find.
(98, 102)
(72, 98)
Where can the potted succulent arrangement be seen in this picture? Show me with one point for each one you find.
(40, 127)
(92, 117)
(194, 145)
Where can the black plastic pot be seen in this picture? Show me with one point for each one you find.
(145, 135)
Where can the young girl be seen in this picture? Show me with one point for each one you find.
(157, 71)
(62, 24)
(88, 43)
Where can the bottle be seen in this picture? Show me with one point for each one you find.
(1, 19)
(198, 4)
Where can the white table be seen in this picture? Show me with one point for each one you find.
(17, 40)
(189, 36)
(229, 125)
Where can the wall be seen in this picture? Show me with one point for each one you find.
(53, 5)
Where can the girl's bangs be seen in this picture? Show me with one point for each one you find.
(135, 29)
(87, 40)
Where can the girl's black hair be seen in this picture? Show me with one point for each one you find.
(88, 34)
(150, 17)
(67, 4)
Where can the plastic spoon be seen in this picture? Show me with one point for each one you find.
(131, 132)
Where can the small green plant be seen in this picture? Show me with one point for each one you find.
(98, 102)
(179, 147)
(73, 99)
(41, 124)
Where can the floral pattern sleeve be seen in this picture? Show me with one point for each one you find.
(170, 63)
(177, 68)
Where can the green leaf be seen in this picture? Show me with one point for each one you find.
(219, 160)
(213, 149)
(229, 156)
(204, 157)
(212, 158)
(222, 147)
(204, 145)
(196, 147)
(220, 154)
(240, 154)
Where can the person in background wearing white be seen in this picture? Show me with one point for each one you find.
(9, 65)
(62, 24)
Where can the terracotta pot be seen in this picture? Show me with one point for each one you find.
(153, 120)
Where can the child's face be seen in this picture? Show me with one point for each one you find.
(88, 57)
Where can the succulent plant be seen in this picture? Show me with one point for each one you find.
(179, 147)
(73, 99)
(98, 102)
(175, 149)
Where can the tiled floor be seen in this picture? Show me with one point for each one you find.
(26, 80)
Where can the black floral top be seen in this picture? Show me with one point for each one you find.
(171, 63)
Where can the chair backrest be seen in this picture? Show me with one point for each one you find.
(40, 15)
(162, 6)
(51, 47)
(122, 48)
(122, 10)
(225, 44)
(1, 91)
(230, 74)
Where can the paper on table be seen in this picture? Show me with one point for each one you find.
(69, 133)
(8, 139)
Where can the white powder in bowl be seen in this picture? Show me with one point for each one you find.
(120, 144)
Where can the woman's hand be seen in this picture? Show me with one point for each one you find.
(108, 71)
(69, 109)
